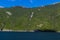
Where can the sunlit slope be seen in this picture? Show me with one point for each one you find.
(47, 17)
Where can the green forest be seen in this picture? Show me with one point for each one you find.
(20, 18)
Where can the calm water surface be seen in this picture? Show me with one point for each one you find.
(29, 36)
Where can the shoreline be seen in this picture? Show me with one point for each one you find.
(6, 30)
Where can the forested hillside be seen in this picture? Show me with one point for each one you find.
(19, 18)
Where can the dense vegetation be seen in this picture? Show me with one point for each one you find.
(47, 17)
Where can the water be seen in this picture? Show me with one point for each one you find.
(26, 3)
(29, 36)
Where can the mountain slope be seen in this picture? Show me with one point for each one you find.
(19, 18)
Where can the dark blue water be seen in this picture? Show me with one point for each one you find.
(29, 36)
(26, 3)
